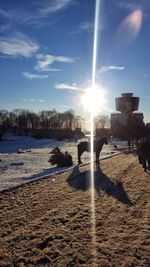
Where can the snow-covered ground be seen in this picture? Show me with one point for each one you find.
(17, 168)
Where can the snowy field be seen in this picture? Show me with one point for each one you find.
(32, 163)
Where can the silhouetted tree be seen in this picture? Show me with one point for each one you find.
(24, 121)
(70, 119)
(102, 121)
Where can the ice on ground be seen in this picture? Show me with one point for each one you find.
(32, 163)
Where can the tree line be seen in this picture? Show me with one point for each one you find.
(46, 119)
(21, 120)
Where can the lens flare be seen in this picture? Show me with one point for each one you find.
(93, 86)
(130, 27)
(92, 100)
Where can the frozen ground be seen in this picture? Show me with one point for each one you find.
(17, 168)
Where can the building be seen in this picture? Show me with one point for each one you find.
(127, 104)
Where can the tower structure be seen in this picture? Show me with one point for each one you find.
(127, 104)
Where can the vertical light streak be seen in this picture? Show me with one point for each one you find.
(96, 26)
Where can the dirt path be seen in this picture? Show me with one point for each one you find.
(48, 222)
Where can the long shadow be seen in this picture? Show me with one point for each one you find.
(48, 171)
(81, 181)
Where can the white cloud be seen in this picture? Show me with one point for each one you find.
(88, 26)
(110, 68)
(126, 4)
(67, 86)
(85, 26)
(31, 76)
(4, 13)
(146, 75)
(32, 100)
(41, 9)
(52, 6)
(4, 27)
(43, 62)
(18, 45)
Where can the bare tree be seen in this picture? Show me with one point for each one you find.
(70, 119)
(102, 121)
(23, 120)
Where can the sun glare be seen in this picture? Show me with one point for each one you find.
(94, 100)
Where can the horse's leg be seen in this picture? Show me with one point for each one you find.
(144, 163)
(140, 158)
(97, 156)
(148, 159)
(79, 156)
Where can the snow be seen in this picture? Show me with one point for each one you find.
(32, 161)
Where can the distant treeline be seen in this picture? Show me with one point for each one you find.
(46, 123)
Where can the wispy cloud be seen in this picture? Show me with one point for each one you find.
(40, 10)
(128, 5)
(4, 13)
(51, 6)
(88, 26)
(44, 61)
(146, 75)
(84, 26)
(4, 27)
(110, 68)
(67, 86)
(32, 100)
(32, 76)
(18, 45)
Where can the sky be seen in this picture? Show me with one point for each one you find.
(46, 51)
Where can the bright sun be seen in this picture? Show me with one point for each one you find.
(94, 100)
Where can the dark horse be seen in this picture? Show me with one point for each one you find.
(85, 146)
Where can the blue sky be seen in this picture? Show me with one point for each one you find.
(46, 53)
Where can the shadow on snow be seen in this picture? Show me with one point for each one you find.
(45, 172)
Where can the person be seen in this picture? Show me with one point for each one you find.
(144, 153)
(139, 150)
(129, 144)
